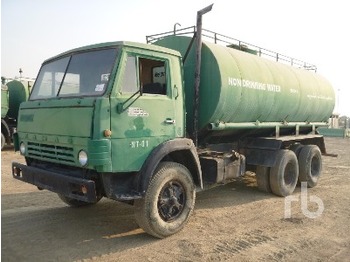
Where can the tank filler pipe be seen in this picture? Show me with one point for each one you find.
(197, 73)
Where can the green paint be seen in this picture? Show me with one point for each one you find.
(52, 123)
(238, 87)
(237, 90)
(18, 93)
(4, 101)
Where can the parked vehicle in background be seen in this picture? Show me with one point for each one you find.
(13, 93)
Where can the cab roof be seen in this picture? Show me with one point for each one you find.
(150, 47)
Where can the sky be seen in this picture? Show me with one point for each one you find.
(309, 30)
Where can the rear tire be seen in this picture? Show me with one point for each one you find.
(3, 140)
(310, 165)
(168, 202)
(284, 175)
(76, 203)
(263, 178)
(296, 148)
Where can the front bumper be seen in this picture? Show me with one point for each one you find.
(73, 187)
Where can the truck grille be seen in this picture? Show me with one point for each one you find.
(51, 152)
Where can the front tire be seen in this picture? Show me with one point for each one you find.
(168, 202)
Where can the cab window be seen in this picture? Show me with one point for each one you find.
(146, 73)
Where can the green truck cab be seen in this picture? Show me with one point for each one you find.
(121, 120)
(100, 119)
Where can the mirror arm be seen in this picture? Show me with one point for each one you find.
(120, 106)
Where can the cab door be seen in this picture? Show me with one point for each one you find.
(143, 112)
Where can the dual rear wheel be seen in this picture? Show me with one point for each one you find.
(303, 163)
(310, 165)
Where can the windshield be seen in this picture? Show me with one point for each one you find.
(82, 74)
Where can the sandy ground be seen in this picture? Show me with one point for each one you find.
(234, 222)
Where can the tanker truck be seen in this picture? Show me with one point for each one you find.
(13, 93)
(153, 124)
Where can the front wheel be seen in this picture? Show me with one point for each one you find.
(168, 202)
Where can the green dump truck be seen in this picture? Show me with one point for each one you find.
(13, 93)
(152, 124)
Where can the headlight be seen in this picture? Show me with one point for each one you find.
(83, 158)
(22, 148)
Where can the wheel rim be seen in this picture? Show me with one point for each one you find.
(171, 201)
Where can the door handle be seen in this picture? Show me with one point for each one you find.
(169, 121)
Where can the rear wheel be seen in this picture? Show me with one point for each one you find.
(169, 201)
(3, 140)
(296, 148)
(75, 202)
(263, 178)
(284, 175)
(310, 165)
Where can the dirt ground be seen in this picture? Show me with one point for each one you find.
(235, 222)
